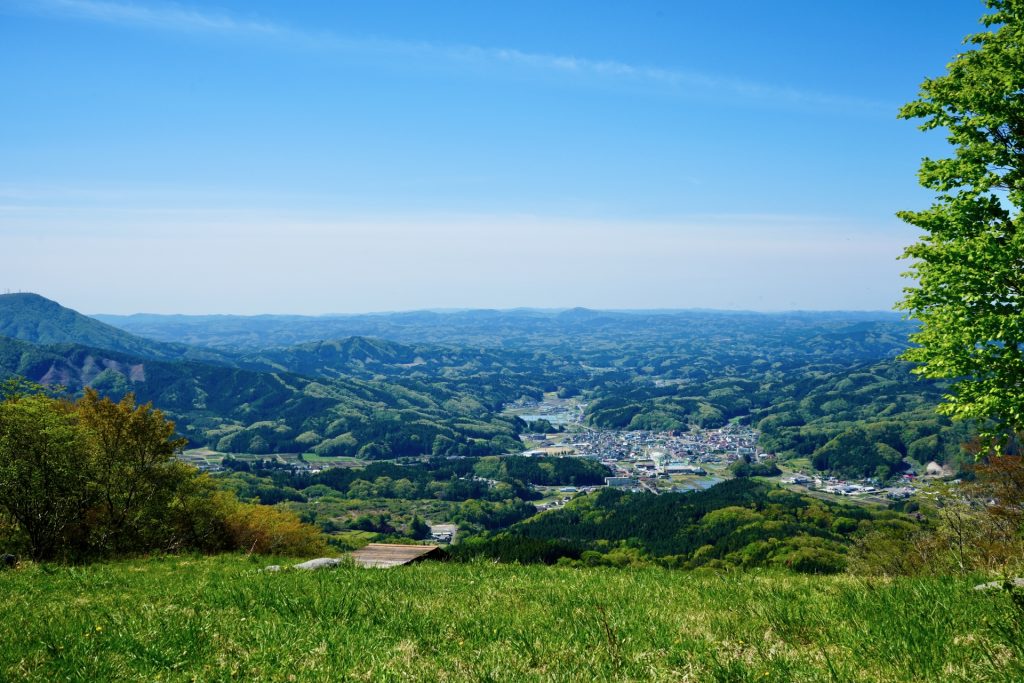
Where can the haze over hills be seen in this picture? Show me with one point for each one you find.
(515, 327)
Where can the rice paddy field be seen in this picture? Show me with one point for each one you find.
(222, 618)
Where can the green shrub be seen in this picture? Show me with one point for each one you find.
(96, 478)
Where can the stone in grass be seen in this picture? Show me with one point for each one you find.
(319, 563)
(993, 585)
(272, 568)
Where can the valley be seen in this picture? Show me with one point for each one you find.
(580, 437)
(680, 439)
(483, 418)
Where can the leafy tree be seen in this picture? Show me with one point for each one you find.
(264, 529)
(43, 471)
(419, 529)
(542, 426)
(745, 468)
(969, 264)
(405, 489)
(133, 473)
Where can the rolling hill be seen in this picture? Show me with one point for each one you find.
(36, 319)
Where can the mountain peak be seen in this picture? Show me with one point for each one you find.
(27, 299)
(34, 318)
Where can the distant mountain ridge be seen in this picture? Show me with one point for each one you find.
(478, 328)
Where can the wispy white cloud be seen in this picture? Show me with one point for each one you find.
(674, 78)
(173, 17)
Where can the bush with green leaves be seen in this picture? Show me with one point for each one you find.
(94, 478)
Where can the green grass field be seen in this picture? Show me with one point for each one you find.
(221, 618)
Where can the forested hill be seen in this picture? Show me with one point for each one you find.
(333, 356)
(239, 410)
(39, 320)
(738, 523)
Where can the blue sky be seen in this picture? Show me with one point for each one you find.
(247, 157)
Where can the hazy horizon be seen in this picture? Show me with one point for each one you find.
(538, 309)
(515, 309)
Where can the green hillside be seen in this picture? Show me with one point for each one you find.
(221, 618)
(39, 320)
(739, 523)
(239, 410)
(331, 357)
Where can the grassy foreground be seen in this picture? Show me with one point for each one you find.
(220, 618)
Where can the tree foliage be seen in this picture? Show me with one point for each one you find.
(968, 528)
(739, 523)
(854, 454)
(94, 478)
(44, 486)
(132, 469)
(969, 264)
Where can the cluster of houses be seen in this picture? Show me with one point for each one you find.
(556, 411)
(443, 533)
(638, 458)
(704, 446)
(844, 488)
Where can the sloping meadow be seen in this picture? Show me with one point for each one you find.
(221, 618)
